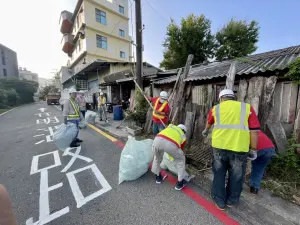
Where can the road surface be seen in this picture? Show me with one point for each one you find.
(48, 186)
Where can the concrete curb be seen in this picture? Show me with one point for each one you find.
(122, 139)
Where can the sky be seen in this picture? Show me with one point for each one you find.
(31, 27)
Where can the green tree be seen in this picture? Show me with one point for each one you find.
(237, 39)
(294, 71)
(44, 92)
(193, 36)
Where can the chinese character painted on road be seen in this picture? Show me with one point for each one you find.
(47, 120)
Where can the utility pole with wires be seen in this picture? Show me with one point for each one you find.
(139, 42)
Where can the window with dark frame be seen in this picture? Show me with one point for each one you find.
(5, 72)
(3, 57)
(121, 33)
(101, 42)
(100, 16)
(121, 9)
(122, 55)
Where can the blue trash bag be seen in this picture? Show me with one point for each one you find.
(135, 159)
(64, 135)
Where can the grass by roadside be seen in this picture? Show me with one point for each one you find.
(4, 110)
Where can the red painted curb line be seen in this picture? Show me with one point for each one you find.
(207, 205)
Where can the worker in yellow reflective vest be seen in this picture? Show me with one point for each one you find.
(170, 140)
(235, 131)
(160, 112)
(72, 114)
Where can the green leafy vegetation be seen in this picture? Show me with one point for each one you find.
(15, 92)
(44, 92)
(294, 71)
(139, 113)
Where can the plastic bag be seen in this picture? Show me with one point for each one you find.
(64, 135)
(169, 164)
(82, 124)
(135, 159)
(90, 117)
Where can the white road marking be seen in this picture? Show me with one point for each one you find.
(35, 161)
(80, 199)
(38, 135)
(42, 109)
(57, 107)
(8, 111)
(44, 208)
(39, 142)
(75, 156)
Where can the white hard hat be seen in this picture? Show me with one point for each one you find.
(101, 93)
(164, 95)
(72, 90)
(226, 92)
(182, 127)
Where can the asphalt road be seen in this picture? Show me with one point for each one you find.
(34, 191)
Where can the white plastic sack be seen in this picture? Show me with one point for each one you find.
(135, 159)
(90, 117)
(82, 124)
(64, 135)
(169, 164)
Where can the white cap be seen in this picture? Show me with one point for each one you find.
(226, 92)
(164, 95)
(72, 90)
(182, 127)
(101, 93)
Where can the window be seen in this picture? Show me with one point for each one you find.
(101, 16)
(101, 42)
(121, 9)
(79, 45)
(121, 33)
(122, 54)
(3, 57)
(4, 72)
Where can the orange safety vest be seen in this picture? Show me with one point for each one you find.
(159, 110)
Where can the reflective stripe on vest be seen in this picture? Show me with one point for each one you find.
(174, 133)
(159, 110)
(231, 130)
(240, 126)
(76, 110)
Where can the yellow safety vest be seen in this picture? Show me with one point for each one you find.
(231, 130)
(159, 110)
(175, 134)
(76, 110)
(101, 101)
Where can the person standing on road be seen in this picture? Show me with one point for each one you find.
(82, 103)
(235, 128)
(72, 114)
(160, 112)
(265, 152)
(101, 106)
(170, 140)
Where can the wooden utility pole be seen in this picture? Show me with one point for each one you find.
(139, 42)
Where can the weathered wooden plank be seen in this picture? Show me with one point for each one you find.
(278, 134)
(148, 123)
(242, 92)
(189, 123)
(231, 76)
(255, 89)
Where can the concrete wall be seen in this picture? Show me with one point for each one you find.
(11, 62)
(28, 75)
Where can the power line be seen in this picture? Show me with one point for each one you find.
(162, 16)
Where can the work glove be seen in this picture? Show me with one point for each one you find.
(252, 155)
(205, 133)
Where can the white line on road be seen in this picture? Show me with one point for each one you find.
(57, 107)
(35, 162)
(8, 111)
(80, 199)
(38, 135)
(39, 142)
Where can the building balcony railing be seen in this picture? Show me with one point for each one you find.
(68, 43)
(65, 21)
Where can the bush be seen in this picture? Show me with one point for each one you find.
(140, 111)
(294, 71)
(286, 167)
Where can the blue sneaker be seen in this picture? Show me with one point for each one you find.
(180, 185)
(160, 178)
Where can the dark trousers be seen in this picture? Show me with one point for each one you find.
(235, 164)
(83, 113)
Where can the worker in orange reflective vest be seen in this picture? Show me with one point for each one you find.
(160, 112)
(170, 140)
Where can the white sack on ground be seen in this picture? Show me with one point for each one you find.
(82, 124)
(64, 135)
(135, 159)
(170, 165)
(90, 117)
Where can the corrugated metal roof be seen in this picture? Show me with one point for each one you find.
(166, 80)
(268, 61)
